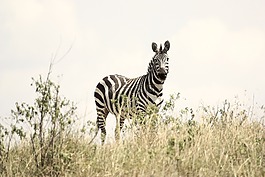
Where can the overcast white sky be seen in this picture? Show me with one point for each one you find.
(217, 47)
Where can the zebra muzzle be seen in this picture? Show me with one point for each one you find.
(162, 74)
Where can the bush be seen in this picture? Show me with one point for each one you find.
(44, 127)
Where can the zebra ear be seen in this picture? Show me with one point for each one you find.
(154, 47)
(167, 46)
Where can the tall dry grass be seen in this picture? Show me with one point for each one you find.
(226, 141)
(170, 148)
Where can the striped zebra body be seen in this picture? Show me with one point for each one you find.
(125, 97)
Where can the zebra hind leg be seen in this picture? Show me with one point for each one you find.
(101, 123)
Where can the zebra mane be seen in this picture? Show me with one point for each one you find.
(151, 65)
(160, 49)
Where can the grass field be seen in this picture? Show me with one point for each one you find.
(224, 147)
(224, 141)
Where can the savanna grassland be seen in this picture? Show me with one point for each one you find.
(229, 148)
(224, 141)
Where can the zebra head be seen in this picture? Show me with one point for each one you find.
(160, 60)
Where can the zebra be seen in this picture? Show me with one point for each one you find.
(118, 95)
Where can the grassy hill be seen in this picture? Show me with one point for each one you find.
(226, 141)
(174, 148)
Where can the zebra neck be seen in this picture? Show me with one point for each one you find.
(154, 86)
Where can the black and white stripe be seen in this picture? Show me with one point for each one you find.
(124, 97)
